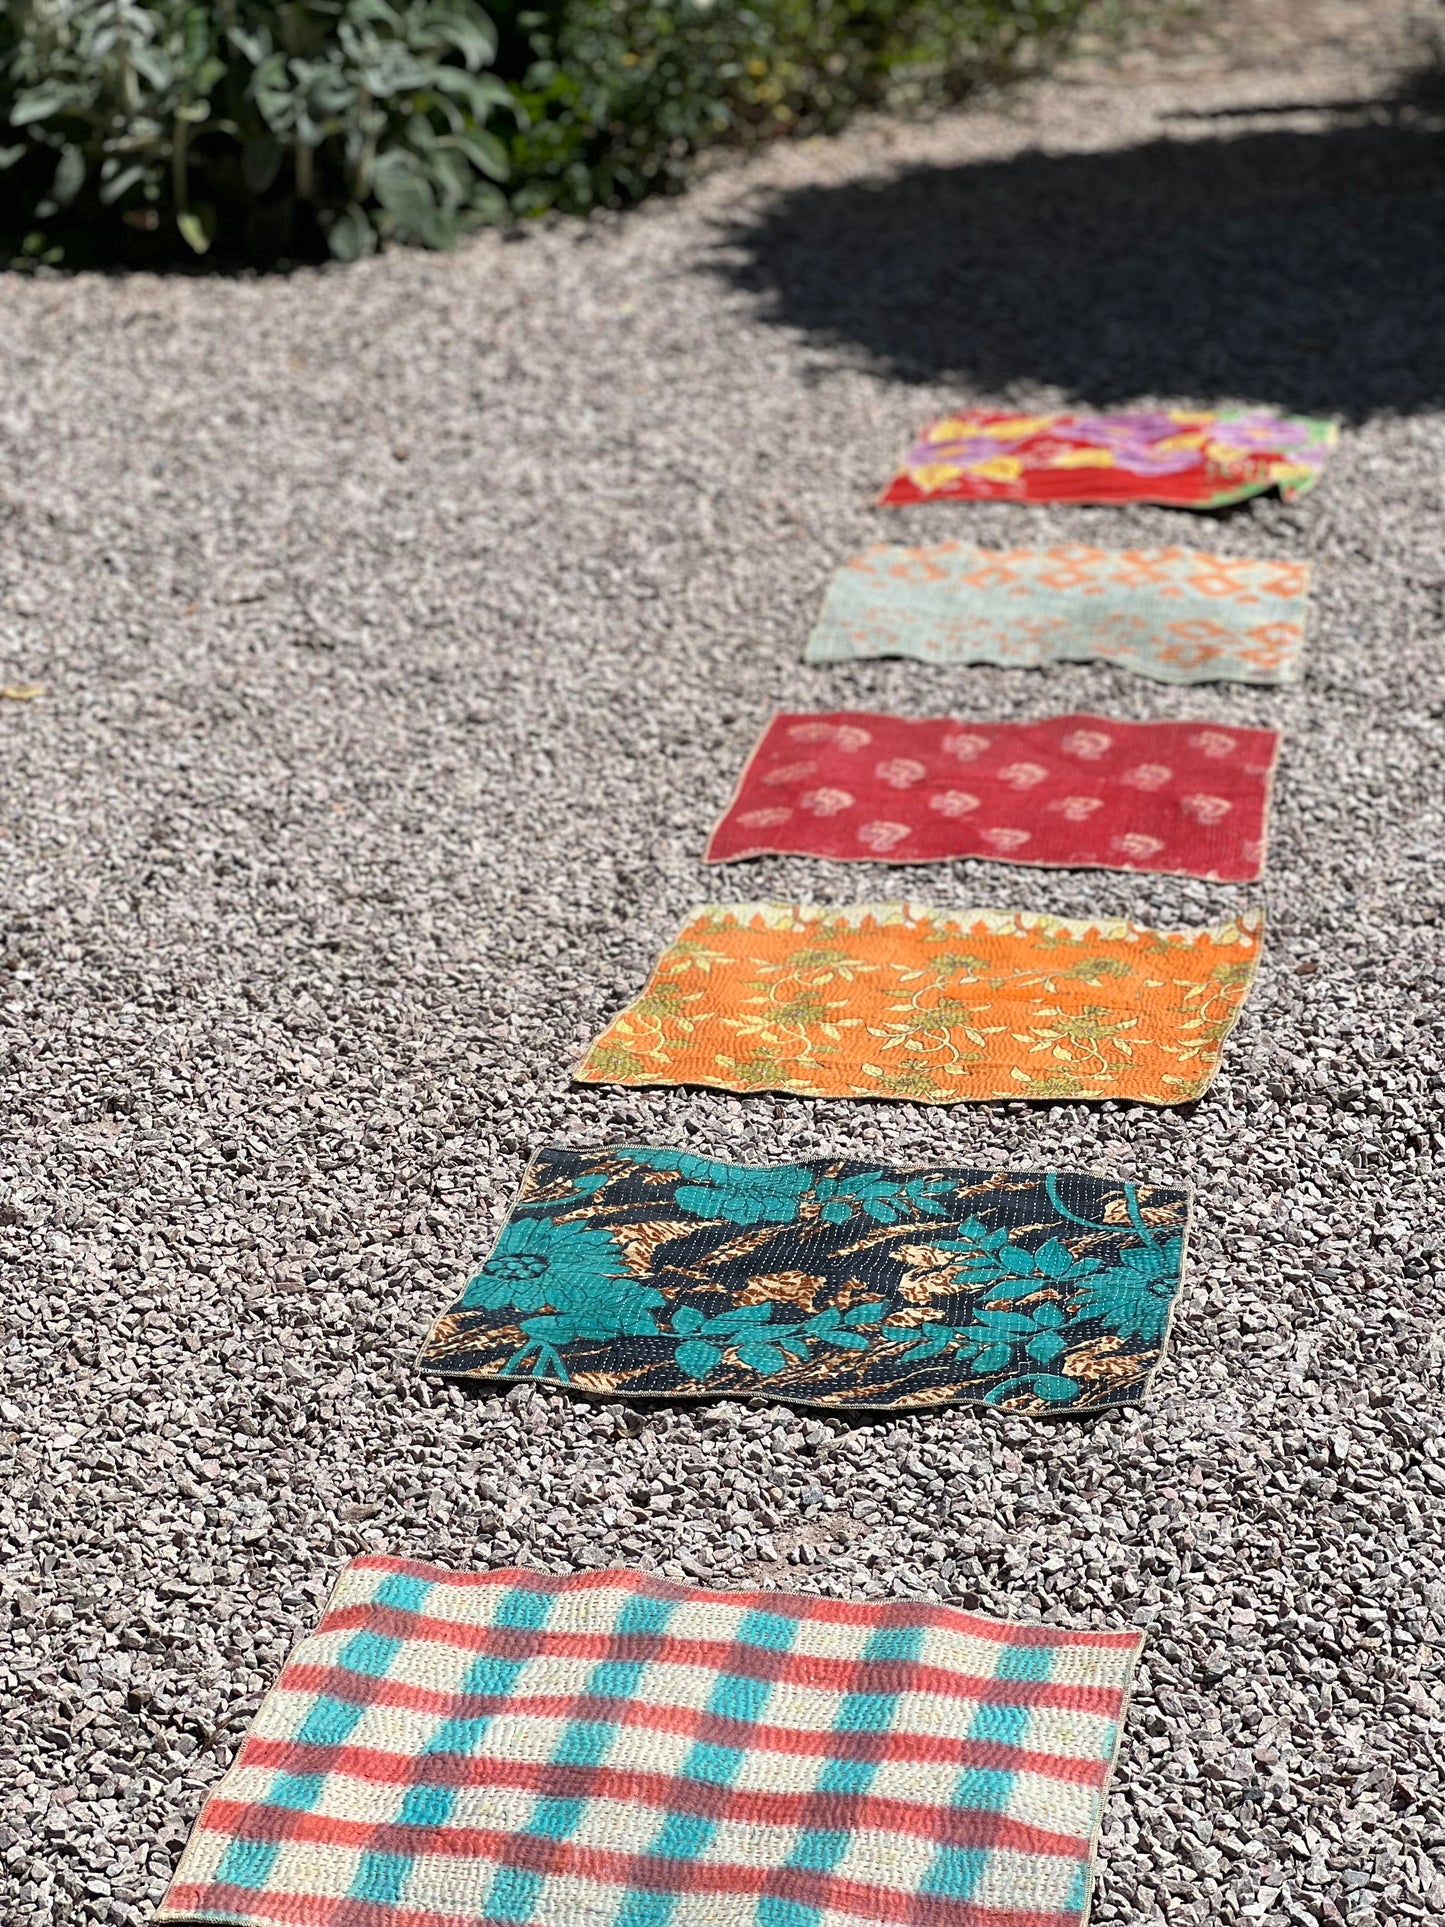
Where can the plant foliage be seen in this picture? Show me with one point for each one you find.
(248, 129)
(247, 126)
(619, 95)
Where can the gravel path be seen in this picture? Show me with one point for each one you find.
(403, 630)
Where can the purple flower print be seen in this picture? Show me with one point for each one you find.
(1265, 433)
(1133, 439)
(964, 452)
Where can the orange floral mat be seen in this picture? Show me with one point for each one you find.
(932, 1006)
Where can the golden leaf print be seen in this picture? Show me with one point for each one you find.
(929, 1272)
(897, 1000)
(798, 1288)
(639, 1242)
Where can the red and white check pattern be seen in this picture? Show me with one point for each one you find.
(610, 1750)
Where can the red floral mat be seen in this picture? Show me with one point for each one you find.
(1074, 792)
(1183, 458)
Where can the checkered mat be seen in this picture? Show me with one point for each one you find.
(610, 1750)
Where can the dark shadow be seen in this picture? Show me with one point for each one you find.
(635, 1414)
(1302, 269)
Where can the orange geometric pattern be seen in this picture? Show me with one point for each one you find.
(932, 1006)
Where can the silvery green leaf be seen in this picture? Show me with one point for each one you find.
(40, 103)
(485, 152)
(119, 184)
(351, 235)
(69, 176)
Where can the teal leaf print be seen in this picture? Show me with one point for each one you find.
(1133, 1299)
(831, 1328)
(1052, 1389)
(696, 1358)
(532, 1256)
(650, 1271)
(883, 1199)
(1045, 1348)
(568, 1270)
(709, 1189)
(743, 1204)
(930, 1341)
(762, 1359)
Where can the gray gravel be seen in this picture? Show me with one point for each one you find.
(403, 630)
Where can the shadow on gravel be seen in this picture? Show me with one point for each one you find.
(1306, 269)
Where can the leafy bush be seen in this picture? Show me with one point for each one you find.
(250, 126)
(620, 94)
(258, 129)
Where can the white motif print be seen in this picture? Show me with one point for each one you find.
(901, 773)
(1147, 776)
(1213, 742)
(1090, 744)
(879, 837)
(826, 802)
(1137, 845)
(1005, 839)
(1023, 776)
(1206, 809)
(764, 819)
(789, 772)
(953, 802)
(850, 737)
(1077, 809)
(964, 746)
(812, 732)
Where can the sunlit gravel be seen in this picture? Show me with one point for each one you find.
(403, 630)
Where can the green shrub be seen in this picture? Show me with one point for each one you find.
(248, 129)
(620, 94)
(255, 128)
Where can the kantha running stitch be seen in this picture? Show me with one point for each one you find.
(937, 1007)
(652, 1273)
(1174, 615)
(1078, 792)
(609, 1748)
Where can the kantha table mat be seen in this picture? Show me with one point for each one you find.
(1174, 615)
(657, 1274)
(1075, 792)
(1181, 457)
(451, 1749)
(933, 1006)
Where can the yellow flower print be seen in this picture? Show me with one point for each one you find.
(930, 476)
(1016, 428)
(998, 468)
(950, 429)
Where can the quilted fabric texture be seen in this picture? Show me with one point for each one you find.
(1181, 457)
(1174, 615)
(610, 1750)
(651, 1273)
(1077, 792)
(897, 1000)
